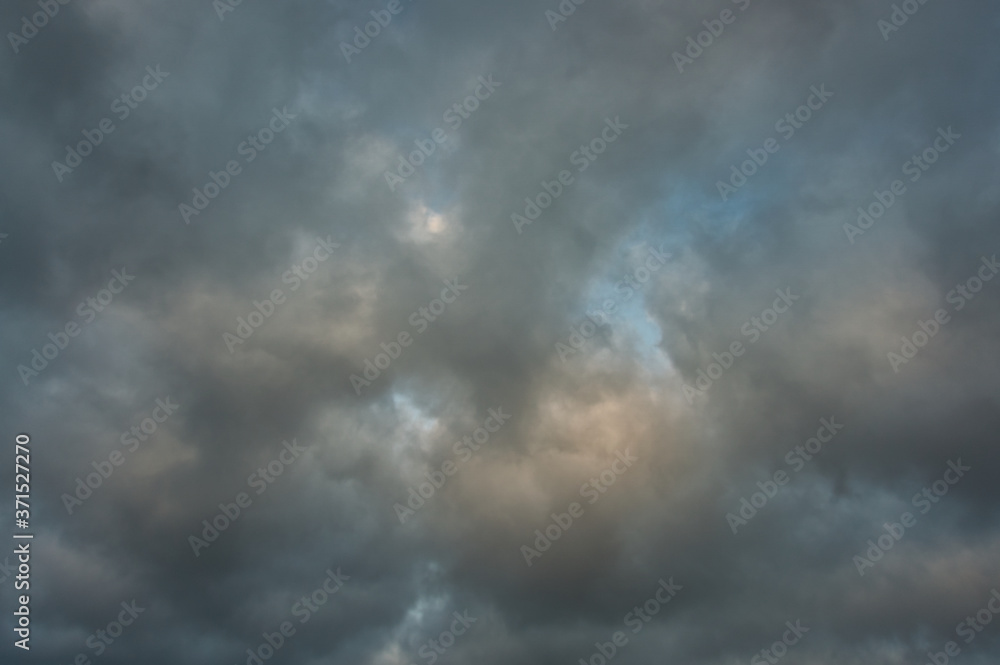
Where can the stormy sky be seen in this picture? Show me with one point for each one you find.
(430, 331)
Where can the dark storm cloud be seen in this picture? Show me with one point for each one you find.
(335, 507)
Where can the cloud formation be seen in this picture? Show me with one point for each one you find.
(433, 197)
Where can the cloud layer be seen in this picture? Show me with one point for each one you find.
(635, 230)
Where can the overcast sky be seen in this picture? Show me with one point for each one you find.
(399, 297)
